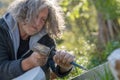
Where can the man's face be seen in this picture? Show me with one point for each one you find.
(31, 29)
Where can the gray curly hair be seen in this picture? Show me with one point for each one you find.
(26, 10)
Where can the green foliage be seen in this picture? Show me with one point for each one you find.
(109, 8)
(106, 75)
(109, 48)
(78, 16)
(101, 57)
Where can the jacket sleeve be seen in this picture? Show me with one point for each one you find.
(8, 68)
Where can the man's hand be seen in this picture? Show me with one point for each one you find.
(36, 59)
(63, 59)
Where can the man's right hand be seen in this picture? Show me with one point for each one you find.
(35, 59)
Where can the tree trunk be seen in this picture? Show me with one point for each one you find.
(103, 36)
(108, 30)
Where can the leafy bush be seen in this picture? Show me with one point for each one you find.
(101, 56)
(107, 74)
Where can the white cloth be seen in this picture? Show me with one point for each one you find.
(33, 74)
(115, 55)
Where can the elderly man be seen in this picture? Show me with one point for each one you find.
(25, 23)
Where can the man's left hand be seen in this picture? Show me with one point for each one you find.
(63, 59)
